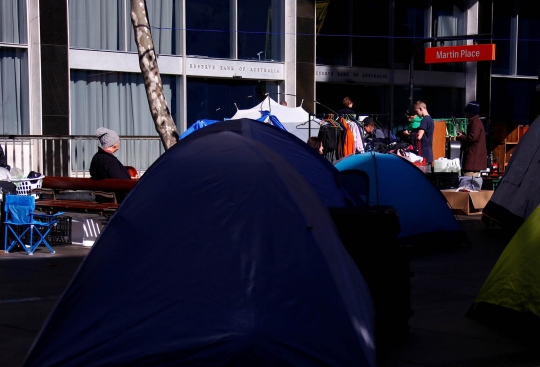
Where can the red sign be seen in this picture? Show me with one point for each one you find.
(484, 52)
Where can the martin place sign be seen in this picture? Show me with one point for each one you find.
(484, 52)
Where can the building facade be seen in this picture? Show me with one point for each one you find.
(70, 66)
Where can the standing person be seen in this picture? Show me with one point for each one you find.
(347, 109)
(412, 126)
(104, 164)
(316, 143)
(473, 142)
(425, 134)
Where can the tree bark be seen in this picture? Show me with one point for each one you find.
(161, 114)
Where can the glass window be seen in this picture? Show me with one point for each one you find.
(208, 28)
(367, 100)
(449, 20)
(260, 30)
(528, 39)
(503, 13)
(513, 100)
(13, 92)
(216, 99)
(13, 24)
(370, 34)
(106, 25)
(332, 33)
(164, 19)
(410, 29)
(115, 100)
(96, 25)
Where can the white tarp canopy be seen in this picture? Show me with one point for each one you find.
(290, 117)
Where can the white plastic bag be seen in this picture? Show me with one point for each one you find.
(4, 174)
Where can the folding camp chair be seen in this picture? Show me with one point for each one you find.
(23, 227)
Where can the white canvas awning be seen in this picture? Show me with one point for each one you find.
(290, 117)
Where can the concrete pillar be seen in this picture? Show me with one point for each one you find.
(305, 54)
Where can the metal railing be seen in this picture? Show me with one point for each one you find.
(70, 155)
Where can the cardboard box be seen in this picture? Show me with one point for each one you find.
(467, 202)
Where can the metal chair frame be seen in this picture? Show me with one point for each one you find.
(25, 228)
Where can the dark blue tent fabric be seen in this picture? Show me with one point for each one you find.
(396, 182)
(199, 124)
(325, 179)
(260, 278)
(273, 119)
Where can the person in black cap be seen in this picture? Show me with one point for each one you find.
(473, 142)
(409, 134)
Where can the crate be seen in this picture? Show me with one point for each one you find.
(490, 184)
(444, 180)
(26, 185)
(454, 125)
(60, 234)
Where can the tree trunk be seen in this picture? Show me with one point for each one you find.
(161, 115)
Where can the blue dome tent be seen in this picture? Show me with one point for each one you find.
(221, 255)
(320, 173)
(424, 215)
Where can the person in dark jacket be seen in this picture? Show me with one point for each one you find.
(473, 142)
(347, 107)
(104, 164)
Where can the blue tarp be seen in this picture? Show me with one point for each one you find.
(273, 119)
(199, 124)
(259, 278)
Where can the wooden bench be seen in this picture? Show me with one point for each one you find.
(108, 188)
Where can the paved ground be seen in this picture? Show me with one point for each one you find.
(443, 287)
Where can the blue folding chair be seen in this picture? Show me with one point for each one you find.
(23, 227)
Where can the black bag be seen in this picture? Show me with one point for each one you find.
(8, 187)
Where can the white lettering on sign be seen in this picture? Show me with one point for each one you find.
(376, 76)
(466, 53)
(201, 66)
(447, 55)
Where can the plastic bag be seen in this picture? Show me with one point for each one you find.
(5, 175)
(17, 173)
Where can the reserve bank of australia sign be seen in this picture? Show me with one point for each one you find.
(485, 52)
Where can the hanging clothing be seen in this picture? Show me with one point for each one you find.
(330, 134)
(358, 136)
(348, 145)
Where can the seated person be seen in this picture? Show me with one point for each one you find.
(374, 137)
(316, 143)
(104, 164)
(372, 131)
